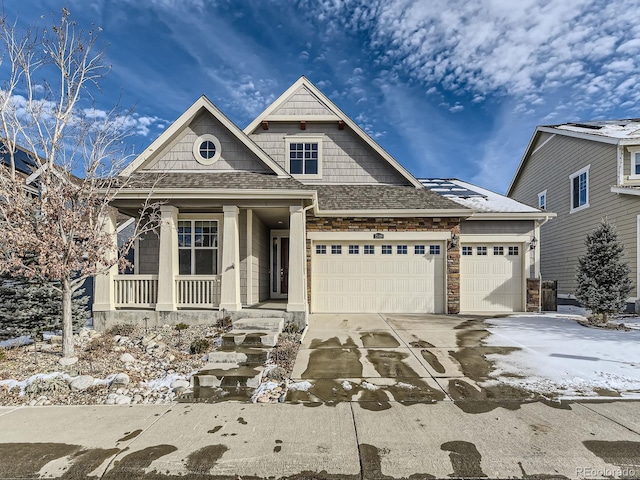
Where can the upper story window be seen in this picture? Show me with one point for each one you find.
(635, 163)
(198, 247)
(206, 149)
(304, 156)
(542, 200)
(580, 189)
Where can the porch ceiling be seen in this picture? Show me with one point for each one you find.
(273, 218)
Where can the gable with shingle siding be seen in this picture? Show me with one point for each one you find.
(345, 157)
(178, 154)
(303, 102)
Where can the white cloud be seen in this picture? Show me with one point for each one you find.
(500, 45)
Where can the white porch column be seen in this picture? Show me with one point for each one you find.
(168, 266)
(103, 287)
(297, 298)
(230, 288)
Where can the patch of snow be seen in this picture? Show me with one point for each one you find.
(264, 387)
(557, 356)
(408, 386)
(16, 342)
(166, 381)
(369, 386)
(490, 201)
(23, 384)
(300, 386)
(346, 385)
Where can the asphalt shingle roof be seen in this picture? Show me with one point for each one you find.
(380, 197)
(330, 197)
(243, 180)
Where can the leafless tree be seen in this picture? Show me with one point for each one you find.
(53, 220)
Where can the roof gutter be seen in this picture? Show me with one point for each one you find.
(138, 193)
(512, 216)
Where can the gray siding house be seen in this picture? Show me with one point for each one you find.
(306, 212)
(584, 172)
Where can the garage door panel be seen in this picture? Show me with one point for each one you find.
(491, 282)
(396, 282)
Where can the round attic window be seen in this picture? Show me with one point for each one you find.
(206, 149)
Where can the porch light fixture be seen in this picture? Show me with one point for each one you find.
(454, 240)
(534, 242)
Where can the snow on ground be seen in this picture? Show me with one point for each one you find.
(559, 357)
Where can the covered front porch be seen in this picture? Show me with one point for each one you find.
(208, 259)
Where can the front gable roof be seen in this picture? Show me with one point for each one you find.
(203, 104)
(322, 109)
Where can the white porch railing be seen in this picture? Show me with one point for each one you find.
(136, 291)
(198, 290)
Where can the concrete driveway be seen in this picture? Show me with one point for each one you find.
(375, 359)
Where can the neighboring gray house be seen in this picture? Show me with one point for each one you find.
(584, 172)
(303, 210)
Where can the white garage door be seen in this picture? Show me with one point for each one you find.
(491, 278)
(382, 276)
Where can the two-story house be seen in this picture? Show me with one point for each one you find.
(303, 210)
(584, 172)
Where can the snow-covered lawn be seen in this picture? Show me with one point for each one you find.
(560, 358)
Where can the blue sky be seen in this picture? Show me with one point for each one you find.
(450, 89)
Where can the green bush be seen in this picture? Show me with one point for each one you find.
(199, 346)
(3, 355)
(181, 326)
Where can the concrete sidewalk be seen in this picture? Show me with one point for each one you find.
(534, 440)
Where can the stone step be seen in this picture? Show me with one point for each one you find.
(239, 355)
(259, 324)
(228, 375)
(249, 338)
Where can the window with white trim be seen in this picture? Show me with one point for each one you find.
(481, 250)
(434, 249)
(635, 163)
(513, 251)
(401, 249)
(321, 249)
(542, 200)
(387, 250)
(580, 189)
(354, 249)
(467, 251)
(206, 149)
(419, 250)
(369, 249)
(498, 250)
(198, 247)
(336, 249)
(304, 156)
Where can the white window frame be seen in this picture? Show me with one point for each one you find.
(303, 139)
(634, 155)
(580, 172)
(217, 249)
(196, 149)
(542, 200)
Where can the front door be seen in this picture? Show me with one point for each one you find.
(279, 264)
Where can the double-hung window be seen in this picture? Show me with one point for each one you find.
(580, 189)
(198, 247)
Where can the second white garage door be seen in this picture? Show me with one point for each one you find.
(374, 276)
(491, 278)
